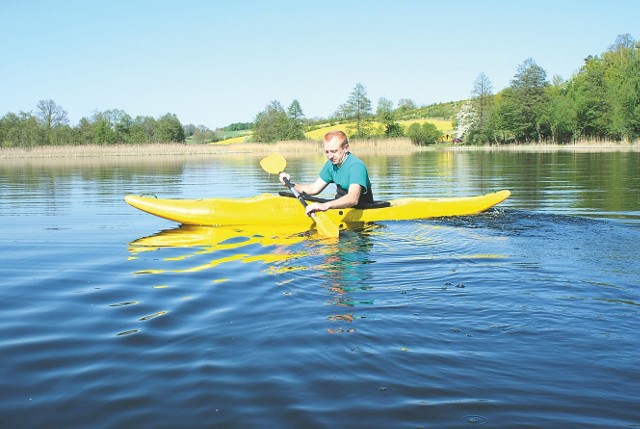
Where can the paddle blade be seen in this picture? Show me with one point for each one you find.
(325, 227)
(273, 164)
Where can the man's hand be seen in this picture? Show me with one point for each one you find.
(317, 207)
(280, 177)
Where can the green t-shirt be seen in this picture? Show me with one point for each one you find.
(351, 171)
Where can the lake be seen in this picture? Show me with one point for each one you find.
(524, 316)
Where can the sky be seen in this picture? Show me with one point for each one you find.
(215, 62)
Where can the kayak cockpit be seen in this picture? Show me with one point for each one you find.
(313, 199)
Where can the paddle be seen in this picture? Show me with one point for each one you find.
(275, 164)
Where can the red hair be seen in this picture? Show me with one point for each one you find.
(336, 134)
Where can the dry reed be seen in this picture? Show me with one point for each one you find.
(382, 146)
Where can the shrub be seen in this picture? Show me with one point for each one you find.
(424, 134)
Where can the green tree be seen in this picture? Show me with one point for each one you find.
(424, 134)
(238, 126)
(589, 91)
(606, 92)
(20, 130)
(86, 131)
(143, 130)
(622, 64)
(295, 115)
(358, 108)
(122, 123)
(272, 124)
(482, 101)
(525, 101)
(202, 134)
(387, 117)
(170, 130)
(467, 123)
(561, 112)
(473, 120)
(51, 116)
(108, 127)
(103, 131)
(406, 105)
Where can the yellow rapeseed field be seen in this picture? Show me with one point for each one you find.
(317, 134)
(443, 125)
(239, 139)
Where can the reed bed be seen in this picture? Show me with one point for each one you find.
(382, 146)
(587, 145)
(82, 151)
(176, 149)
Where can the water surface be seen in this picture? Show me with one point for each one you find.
(526, 315)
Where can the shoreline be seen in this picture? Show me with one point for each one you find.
(392, 146)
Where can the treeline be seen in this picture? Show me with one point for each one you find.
(277, 124)
(238, 126)
(50, 126)
(601, 101)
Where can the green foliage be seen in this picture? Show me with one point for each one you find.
(238, 126)
(203, 135)
(602, 100)
(483, 103)
(405, 105)
(438, 110)
(274, 124)
(561, 113)
(357, 108)
(170, 129)
(524, 103)
(474, 118)
(606, 92)
(143, 130)
(387, 117)
(108, 128)
(50, 126)
(52, 118)
(589, 90)
(623, 82)
(296, 121)
(423, 134)
(199, 134)
(20, 130)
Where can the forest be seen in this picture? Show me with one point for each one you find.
(601, 102)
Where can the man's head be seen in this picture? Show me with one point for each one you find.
(336, 146)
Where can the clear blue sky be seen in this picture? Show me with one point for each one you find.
(216, 62)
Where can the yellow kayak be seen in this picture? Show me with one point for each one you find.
(275, 209)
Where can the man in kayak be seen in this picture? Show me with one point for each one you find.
(353, 187)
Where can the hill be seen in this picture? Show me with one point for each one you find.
(316, 132)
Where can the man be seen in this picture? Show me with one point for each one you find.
(342, 168)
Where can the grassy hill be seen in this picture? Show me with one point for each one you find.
(318, 131)
(434, 113)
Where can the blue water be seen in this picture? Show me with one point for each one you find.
(524, 316)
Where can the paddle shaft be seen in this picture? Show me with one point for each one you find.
(292, 188)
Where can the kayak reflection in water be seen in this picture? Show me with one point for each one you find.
(353, 187)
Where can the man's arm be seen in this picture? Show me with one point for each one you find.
(312, 189)
(350, 199)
